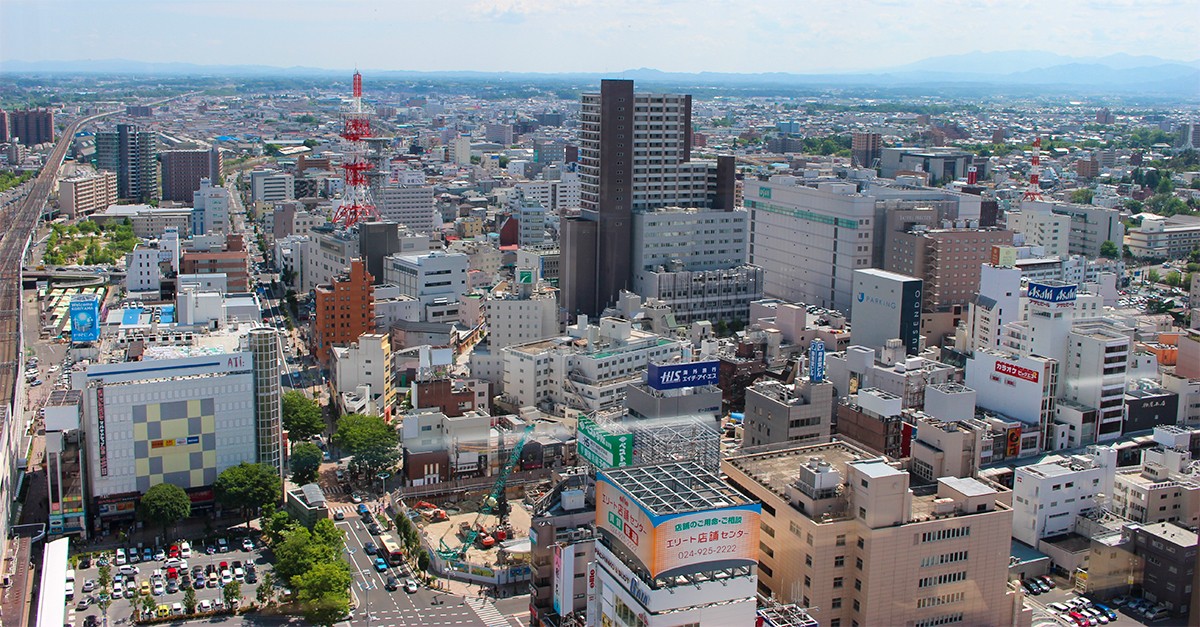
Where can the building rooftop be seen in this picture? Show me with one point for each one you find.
(675, 488)
(777, 469)
(1170, 532)
(968, 486)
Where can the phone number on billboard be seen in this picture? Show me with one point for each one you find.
(707, 550)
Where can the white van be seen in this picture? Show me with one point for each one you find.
(70, 585)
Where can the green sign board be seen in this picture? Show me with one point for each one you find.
(764, 192)
(525, 276)
(601, 448)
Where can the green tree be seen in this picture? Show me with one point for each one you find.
(358, 432)
(324, 592)
(266, 589)
(276, 525)
(232, 593)
(148, 604)
(301, 416)
(1173, 278)
(104, 576)
(164, 505)
(305, 461)
(1082, 196)
(423, 560)
(1152, 275)
(375, 458)
(248, 487)
(189, 600)
(1109, 250)
(271, 150)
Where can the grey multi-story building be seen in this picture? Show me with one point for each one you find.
(800, 413)
(634, 156)
(130, 152)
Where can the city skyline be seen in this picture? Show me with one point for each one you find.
(582, 36)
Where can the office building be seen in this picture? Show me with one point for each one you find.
(1165, 238)
(565, 372)
(561, 545)
(531, 224)
(947, 261)
(85, 194)
(997, 303)
(148, 222)
(361, 376)
(31, 127)
(409, 202)
(943, 165)
(800, 413)
(1169, 556)
(271, 186)
(436, 279)
(866, 149)
(693, 260)
(650, 567)
(1097, 358)
(233, 262)
(344, 310)
(843, 530)
(893, 372)
(1164, 487)
(517, 312)
(327, 255)
(635, 155)
(1089, 226)
(183, 170)
(1048, 230)
(4, 136)
(887, 305)
(210, 208)
(499, 133)
(291, 218)
(1048, 496)
(377, 240)
(68, 508)
(131, 152)
(1021, 387)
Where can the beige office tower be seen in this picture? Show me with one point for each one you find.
(268, 410)
(843, 531)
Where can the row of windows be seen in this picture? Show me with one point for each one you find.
(944, 558)
(945, 534)
(941, 599)
(937, 580)
(948, 619)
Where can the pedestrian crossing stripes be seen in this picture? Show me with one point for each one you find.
(487, 612)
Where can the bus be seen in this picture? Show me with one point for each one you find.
(391, 550)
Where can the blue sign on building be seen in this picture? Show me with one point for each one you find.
(674, 376)
(1053, 294)
(85, 318)
(816, 361)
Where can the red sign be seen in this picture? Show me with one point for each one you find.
(1013, 370)
(1013, 444)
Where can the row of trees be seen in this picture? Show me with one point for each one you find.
(245, 487)
(310, 561)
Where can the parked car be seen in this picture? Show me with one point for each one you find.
(1047, 581)
(1108, 611)
(247, 544)
(89, 585)
(160, 555)
(222, 545)
(204, 606)
(147, 555)
(121, 559)
(185, 550)
(375, 529)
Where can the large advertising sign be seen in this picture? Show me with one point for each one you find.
(676, 543)
(674, 376)
(1012, 443)
(1052, 294)
(85, 318)
(101, 432)
(563, 593)
(1013, 370)
(601, 448)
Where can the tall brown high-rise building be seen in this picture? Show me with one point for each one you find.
(343, 310)
(866, 148)
(3, 126)
(183, 169)
(634, 156)
(32, 126)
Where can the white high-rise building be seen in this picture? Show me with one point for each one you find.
(210, 209)
(997, 304)
(517, 312)
(1047, 497)
(437, 279)
(1049, 230)
(461, 150)
(409, 201)
(271, 186)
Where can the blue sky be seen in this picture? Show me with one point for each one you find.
(804, 36)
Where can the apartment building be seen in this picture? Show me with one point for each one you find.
(361, 375)
(1048, 496)
(86, 194)
(271, 186)
(183, 170)
(130, 151)
(844, 531)
(344, 310)
(800, 413)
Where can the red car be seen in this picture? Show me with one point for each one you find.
(224, 565)
(172, 573)
(174, 552)
(1079, 619)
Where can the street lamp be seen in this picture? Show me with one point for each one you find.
(365, 587)
(383, 477)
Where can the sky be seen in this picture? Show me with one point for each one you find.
(799, 36)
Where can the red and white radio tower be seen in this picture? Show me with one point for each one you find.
(356, 199)
(1034, 192)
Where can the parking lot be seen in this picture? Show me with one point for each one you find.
(1045, 614)
(141, 575)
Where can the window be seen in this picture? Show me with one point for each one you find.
(807, 581)
(858, 563)
(858, 584)
(836, 603)
(765, 569)
(839, 561)
(837, 582)
(861, 543)
(807, 560)
(841, 540)
(857, 607)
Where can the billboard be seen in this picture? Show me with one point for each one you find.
(101, 432)
(1052, 294)
(1004, 256)
(85, 318)
(1013, 370)
(678, 543)
(1012, 442)
(563, 593)
(601, 448)
(816, 361)
(675, 376)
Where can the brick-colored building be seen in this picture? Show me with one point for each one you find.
(344, 310)
(233, 262)
(183, 169)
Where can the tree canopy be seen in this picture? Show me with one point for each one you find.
(164, 505)
(248, 487)
(322, 592)
(1109, 250)
(305, 461)
(301, 416)
(357, 433)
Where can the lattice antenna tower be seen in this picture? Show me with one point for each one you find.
(357, 205)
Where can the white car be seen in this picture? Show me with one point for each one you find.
(185, 550)
(226, 577)
(128, 570)
(176, 562)
(239, 574)
(89, 585)
(247, 544)
(118, 588)
(121, 559)
(159, 589)
(205, 606)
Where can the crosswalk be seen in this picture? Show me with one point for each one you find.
(487, 612)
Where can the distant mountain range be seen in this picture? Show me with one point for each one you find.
(1119, 73)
